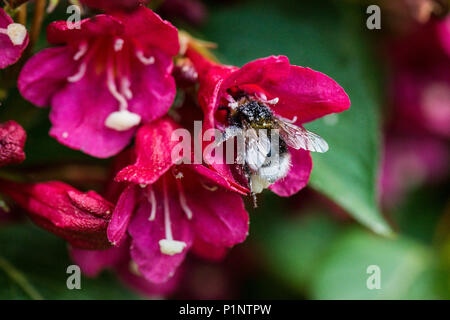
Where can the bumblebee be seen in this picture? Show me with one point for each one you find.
(265, 158)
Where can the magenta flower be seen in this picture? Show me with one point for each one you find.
(80, 218)
(411, 160)
(290, 95)
(104, 79)
(421, 80)
(13, 40)
(166, 207)
(12, 142)
(417, 130)
(92, 262)
(127, 5)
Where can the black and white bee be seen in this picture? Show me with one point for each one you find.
(265, 157)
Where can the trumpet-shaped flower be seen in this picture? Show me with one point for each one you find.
(103, 79)
(166, 208)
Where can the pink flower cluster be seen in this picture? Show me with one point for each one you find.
(110, 85)
(417, 130)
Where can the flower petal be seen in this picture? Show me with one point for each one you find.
(147, 288)
(219, 216)
(152, 86)
(46, 73)
(60, 32)
(92, 262)
(153, 150)
(122, 214)
(298, 175)
(9, 53)
(127, 5)
(207, 251)
(307, 95)
(265, 71)
(78, 115)
(163, 35)
(226, 181)
(145, 250)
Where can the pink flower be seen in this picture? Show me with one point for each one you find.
(13, 40)
(80, 218)
(104, 79)
(92, 262)
(12, 142)
(411, 160)
(127, 5)
(421, 80)
(190, 11)
(417, 130)
(165, 208)
(289, 95)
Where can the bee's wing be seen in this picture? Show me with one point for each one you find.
(258, 147)
(300, 138)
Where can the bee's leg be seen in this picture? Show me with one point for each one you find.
(255, 200)
(250, 185)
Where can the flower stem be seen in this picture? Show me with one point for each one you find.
(20, 279)
(22, 14)
(16, 3)
(36, 25)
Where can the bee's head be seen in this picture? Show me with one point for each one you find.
(240, 108)
(256, 114)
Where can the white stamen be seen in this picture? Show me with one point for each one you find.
(261, 96)
(231, 102)
(209, 188)
(179, 175)
(134, 268)
(16, 33)
(122, 120)
(181, 196)
(142, 58)
(142, 185)
(80, 73)
(125, 88)
(167, 223)
(169, 246)
(293, 120)
(183, 201)
(123, 104)
(152, 199)
(118, 44)
(81, 51)
(273, 101)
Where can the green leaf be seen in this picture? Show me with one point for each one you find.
(15, 284)
(294, 247)
(407, 269)
(331, 41)
(320, 258)
(33, 265)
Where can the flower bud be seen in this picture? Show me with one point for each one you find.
(80, 218)
(12, 141)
